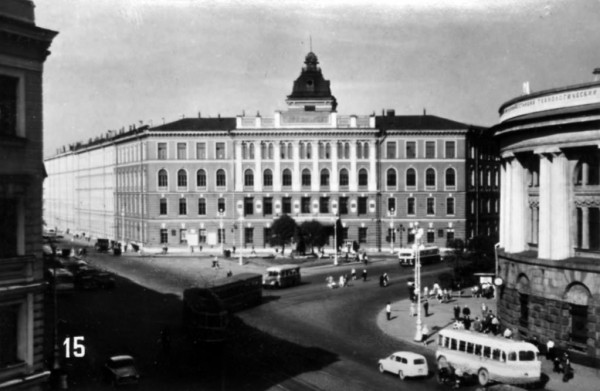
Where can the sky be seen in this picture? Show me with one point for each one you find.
(121, 62)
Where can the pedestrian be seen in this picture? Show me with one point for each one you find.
(364, 275)
(507, 333)
(477, 326)
(459, 289)
(413, 310)
(466, 311)
(353, 274)
(342, 281)
(566, 368)
(365, 259)
(381, 280)
(386, 279)
(456, 312)
(445, 297)
(495, 325)
(253, 252)
(229, 273)
(484, 309)
(388, 310)
(550, 350)
(233, 250)
(426, 306)
(426, 292)
(467, 322)
(424, 334)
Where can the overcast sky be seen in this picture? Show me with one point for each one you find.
(118, 62)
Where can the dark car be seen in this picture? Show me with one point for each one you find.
(102, 245)
(89, 278)
(120, 370)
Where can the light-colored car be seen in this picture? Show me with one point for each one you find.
(120, 370)
(404, 364)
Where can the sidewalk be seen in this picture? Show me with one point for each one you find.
(402, 326)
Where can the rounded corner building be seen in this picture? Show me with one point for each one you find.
(549, 252)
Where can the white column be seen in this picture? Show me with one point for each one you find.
(585, 227)
(277, 167)
(353, 179)
(519, 216)
(315, 179)
(373, 167)
(560, 208)
(239, 179)
(258, 177)
(296, 175)
(545, 240)
(334, 182)
(503, 205)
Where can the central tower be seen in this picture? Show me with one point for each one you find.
(311, 91)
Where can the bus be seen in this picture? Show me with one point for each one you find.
(490, 358)
(282, 276)
(406, 256)
(206, 310)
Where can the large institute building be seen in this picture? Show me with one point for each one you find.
(550, 216)
(205, 179)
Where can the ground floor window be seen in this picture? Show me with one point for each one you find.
(430, 236)
(221, 235)
(248, 236)
(183, 236)
(286, 205)
(164, 235)
(362, 235)
(362, 205)
(8, 228)
(267, 233)
(9, 334)
(202, 235)
(524, 310)
(579, 320)
(450, 234)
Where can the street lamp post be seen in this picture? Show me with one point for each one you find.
(418, 234)
(241, 239)
(335, 246)
(392, 231)
(221, 229)
(400, 229)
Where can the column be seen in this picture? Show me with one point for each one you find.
(373, 167)
(585, 227)
(518, 208)
(544, 239)
(334, 181)
(561, 206)
(258, 177)
(296, 175)
(277, 166)
(535, 223)
(503, 204)
(315, 179)
(239, 177)
(353, 179)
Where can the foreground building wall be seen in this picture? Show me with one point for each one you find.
(550, 216)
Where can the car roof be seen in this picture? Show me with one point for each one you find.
(122, 357)
(408, 354)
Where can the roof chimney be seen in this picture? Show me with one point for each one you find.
(391, 112)
(424, 111)
(596, 74)
(199, 115)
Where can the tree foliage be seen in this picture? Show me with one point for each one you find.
(313, 234)
(282, 231)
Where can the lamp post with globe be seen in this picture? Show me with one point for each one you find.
(418, 232)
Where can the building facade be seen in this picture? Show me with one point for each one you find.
(550, 216)
(224, 180)
(23, 50)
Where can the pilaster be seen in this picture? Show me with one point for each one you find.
(372, 167)
(239, 179)
(353, 179)
(296, 175)
(334, 183)
(277, 167)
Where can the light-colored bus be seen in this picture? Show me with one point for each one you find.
(490, 358)
(282, 276)
(406, 256)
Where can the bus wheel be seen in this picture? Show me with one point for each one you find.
(442, 362)
(483, 376)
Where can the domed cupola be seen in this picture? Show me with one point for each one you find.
(311, 92)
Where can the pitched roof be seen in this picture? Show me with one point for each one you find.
(225, 123)
(417, 122)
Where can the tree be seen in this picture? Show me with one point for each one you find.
(312, 233)
(340, 234)
(283, 231)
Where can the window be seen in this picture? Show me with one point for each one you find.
(164, 236)
(430, 177)
(251, 151)
(286, 205)
(487, 352)
(200, 151)
(202, 235)
(392, 206)
(450, 149)
(327, 151)
(248, 178)
(271, 149)
(346, 150)
(181, 178)
(263, 151)
(163, 179)
(267, 205)
(343, 205)
(343, 177)
(308, 151)
(524, 309)
(391, 150)
(201, 178)
(221, 178)
(267, 233)
(391, 177)
(579, 322)
(220, 151)
(430, 149)
(362, 234)
(366, 150)
(324, 177)
(9, 105)
(359, 151)
(182, 236)
(221, 235)
(450, 177)
(163, 206)
(450, 235)
(248, 206)
(411, 149)
(162, 151)
(430, 236)
(244, 151)
(430, 206)
(182, 206)
(267, 178)
(324, 205)
(221, 205)
(362, 205)
(410, 206)
(286, 178)
(202, 206)
(306, 177)
(248, 236)
(181, 151)
(9, 215)
(302, 151)
(450, 206)
(305, 205)
(411, 177)
(363, 177)
(9, 334)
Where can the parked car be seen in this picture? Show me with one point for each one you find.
(60, 279)
(120, 370)
(90, 278)
(102, 245)
(404, 364)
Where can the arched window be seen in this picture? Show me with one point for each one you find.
(201, 178)
(343, 177)
(268, 178)
(263, 150)
(411, 177)
(363, 177)
(366, 150)
(324, 177)
(308, 151)
(430, 177)
(359, 151)
(391, 177)
(321, 151)
(283, 150)
(182, 178)
(302, 151)
(248, 178)
(347, 151)
(450, 177)
(270, 151)
(340, 150)
(286, 178)
(221, 178)
(251, 151)
(290, 153)
(163, 178)
(327, 151)
(306, 177)
(244, 151)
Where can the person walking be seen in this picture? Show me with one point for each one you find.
(364, 275)
(388, 310)
(424, 334)
(353, 274)
(484, 309)
(426, 306)
(466, 311)
(456, 311)
(477, 326)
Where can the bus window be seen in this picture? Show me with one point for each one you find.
(478, 350)
(496, 354)
(470, 347)
(526, 355)
(512, 356)
(462, 345)
(440, 340)
(503, 357)
(453, 344)
(487, 352)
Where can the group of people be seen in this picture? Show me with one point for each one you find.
(486, 290)
(489, 323)
(343, 280)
